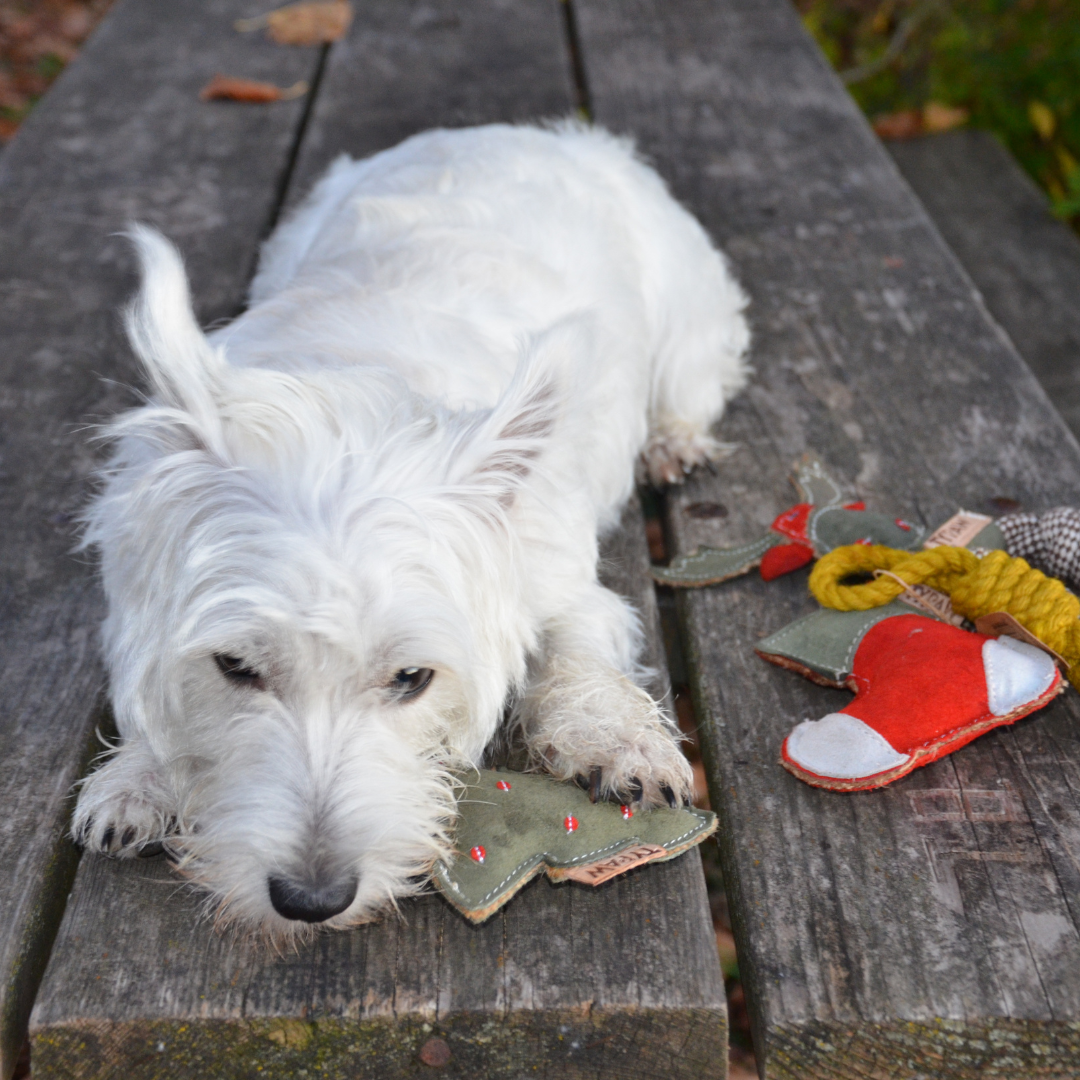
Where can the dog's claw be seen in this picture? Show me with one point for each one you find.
(669, 795)
(151, 849)
(107, 838)
(129, 835)
(594, 783)
(637, 790)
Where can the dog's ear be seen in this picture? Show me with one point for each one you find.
(505, 447)
(184, 369)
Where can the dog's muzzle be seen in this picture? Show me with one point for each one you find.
(311, 903)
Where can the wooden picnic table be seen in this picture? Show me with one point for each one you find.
(927, 930)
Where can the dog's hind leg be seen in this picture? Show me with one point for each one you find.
(582, 711)
(124, 805)
(700, 338)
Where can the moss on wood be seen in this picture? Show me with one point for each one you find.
(561, 1044)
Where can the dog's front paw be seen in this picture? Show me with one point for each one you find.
(121, 811)
(596, 727)
(648, 767)
(670, 454)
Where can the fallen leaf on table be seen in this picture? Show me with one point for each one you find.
(932, 119)
(314, 22)
(226, 88)
(938, 117)
(899, 125)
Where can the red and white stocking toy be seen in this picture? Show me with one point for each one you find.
(922, 688)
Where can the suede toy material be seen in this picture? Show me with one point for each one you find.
(513, 826)
(818, 524)
(923, 688)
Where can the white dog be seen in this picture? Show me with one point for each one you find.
(352, 531)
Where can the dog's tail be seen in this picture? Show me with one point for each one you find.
(185, 371)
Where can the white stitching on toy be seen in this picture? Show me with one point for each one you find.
(817, 471)
(813, 524)
(815, 662)
(703, 554)
(535, 860)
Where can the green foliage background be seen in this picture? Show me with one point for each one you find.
(1014, 64)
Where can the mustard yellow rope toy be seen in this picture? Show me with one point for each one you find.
(976, 586)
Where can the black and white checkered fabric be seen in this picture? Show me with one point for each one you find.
(1050, 541)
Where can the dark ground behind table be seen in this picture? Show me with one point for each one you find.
(620, 981)
(930, 929)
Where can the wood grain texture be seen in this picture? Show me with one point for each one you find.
(121, 137)
(928, 929)
(1025, 262)
(567, 981)
(409, 65)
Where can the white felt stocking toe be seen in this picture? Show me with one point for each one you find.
(841, 746)
(1016, 673)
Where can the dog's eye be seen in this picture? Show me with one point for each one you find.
(411, 681)
(236, 671)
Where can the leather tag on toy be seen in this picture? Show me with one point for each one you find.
(925, 599)
(618, 864)
(1002, 624)
(958, 531)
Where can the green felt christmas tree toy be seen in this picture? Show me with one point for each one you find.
(512, 826)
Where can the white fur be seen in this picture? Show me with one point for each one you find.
(400, 456)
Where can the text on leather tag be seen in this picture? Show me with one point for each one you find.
(958, 531)
(925, 599)
(625, 860)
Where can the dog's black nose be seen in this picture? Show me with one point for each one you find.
(307, 903)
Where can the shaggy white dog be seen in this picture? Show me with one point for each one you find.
(355, 529)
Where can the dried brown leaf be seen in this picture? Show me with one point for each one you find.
(899, 125)
(226, 88)
(318, 22)
(313, 22)
(938, 117)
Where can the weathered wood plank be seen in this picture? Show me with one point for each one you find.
(929, 929)
(621, 981)
(122, 136)
(1025, 262)
(420, 64)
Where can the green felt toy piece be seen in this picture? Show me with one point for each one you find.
(711, 566)
(814, 483)
(818, 524)
(513, 826)
(836, 526)
(822, 645)
(991, 538)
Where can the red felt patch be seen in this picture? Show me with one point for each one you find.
(793, 522)
(860, 505)
(784, 558)
(917, 679)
